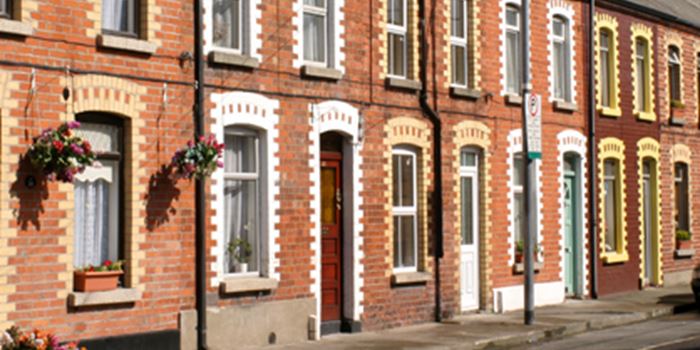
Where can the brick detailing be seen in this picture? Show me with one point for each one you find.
(27, 8)
(612, 147)
(335, 52)
(416, 133)
(473, 44)
(643, 32)
(650, 148)
(412, 44)
(474, 134)
(564, 9)
(502, 37)
(607, 22)
(253, 33)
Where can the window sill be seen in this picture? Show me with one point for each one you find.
(684, 253)
(519, 268)
(647, 116)
(565, 106)
(457, 91)
(232, 59)
(126, 44)
(406, 278)
(675, 121)
(615, 258)
(310, 71)
(404, 84)
(12, 27)
(112, 297)
(610, 112)
(233, 285)
(514, 99)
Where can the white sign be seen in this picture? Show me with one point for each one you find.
(533, 110)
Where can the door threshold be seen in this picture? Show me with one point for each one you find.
(330, 327)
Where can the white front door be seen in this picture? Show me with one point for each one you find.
(469, 247)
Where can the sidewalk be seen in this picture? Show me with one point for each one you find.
(479, 331)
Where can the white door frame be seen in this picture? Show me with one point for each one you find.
(473, 172)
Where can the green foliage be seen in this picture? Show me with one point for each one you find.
(240, 249)
(682, 235)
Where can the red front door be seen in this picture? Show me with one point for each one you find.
(331, 237)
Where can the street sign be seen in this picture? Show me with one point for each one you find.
(533, 110)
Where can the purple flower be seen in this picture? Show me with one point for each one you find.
(77, 149)
(219, 164)
(73, 124)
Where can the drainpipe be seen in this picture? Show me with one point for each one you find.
(200, 229)
(592, 200)
(438, 250)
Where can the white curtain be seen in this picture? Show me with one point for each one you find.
(91, 222)
(227, 20)
(314, 37)
(513, 61)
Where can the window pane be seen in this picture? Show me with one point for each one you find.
(518, 168)
(458, 18)
(681, 194)
(314, 37)
(396, 176)
(404, 241)
(611, 206)
(513, 62)
(459, 65)
(240, 153)
(317, 3)
(407, 181)
(328, 200)
(102, 137)
(604, 69)
(397, 56)
(241, 221)
(519, 215)
(641, 84)
(227, 23)
(116, 15)
(512, 16)
(558, 27)
(559, 66)
(467, 210)
(396, 10)
(468, 159)
(4, 8)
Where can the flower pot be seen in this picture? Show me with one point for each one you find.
(242, 267)
(518, 257)
(86, 281)
(684, 245)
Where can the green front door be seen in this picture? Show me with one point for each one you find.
(570, 229)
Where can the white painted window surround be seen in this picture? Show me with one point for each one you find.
(333, 55)
(397, 36)
(248, 111)
(250, 30)
(459, 34)
(563, 11)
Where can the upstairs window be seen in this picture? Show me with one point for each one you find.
(606, 61)
(513, 50)
(6, 9)
(674, 73)
(228, 24)
(612, 205)
(458, 39)
(681, 193)
(562, 66)
(120, 17)
(641, 56)
(316, 31)
(405, 209)
(397, 28)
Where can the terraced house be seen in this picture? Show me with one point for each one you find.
(371, 166)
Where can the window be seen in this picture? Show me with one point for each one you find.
(242, 200)
(562, 68)
(228, 24)
(316, 30)
(120, 17)
(642, 79)
(405, 212)
(518, 196)
(469, 195)
(458, 40)
(681, 193)
(397, 30)
(606, 61)
(513, 51)
(98, 194)
(674, 73)
(612, 205)
(6, 9)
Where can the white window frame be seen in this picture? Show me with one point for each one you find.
(513, 29)
(327, 43)
(473, 172)
(133, 20)
(242, 28)
(409, 210)
(564, 68)
(393, 29)
(462, 42)
(641, 96)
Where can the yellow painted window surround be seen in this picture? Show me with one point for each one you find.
(606, 26)
(612, 150)
(643, 72)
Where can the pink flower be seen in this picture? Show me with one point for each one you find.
(219, 164)
(73, 124)
(77, 149)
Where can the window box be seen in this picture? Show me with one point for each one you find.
(112, 297)
(684, 253)
(237, 285)
(8, 26)
(86, 281)
(123, 43)
(233, 59)
(407, 278)
(402, 83)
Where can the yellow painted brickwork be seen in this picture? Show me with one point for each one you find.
(609, 23)
(474, 134)
(612, 148)
(148, 26)
(646, 112)
(650, 148)
(413, 44)
(417, 133)
(26, 8)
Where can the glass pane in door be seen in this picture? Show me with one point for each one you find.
(467, 210)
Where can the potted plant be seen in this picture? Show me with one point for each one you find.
(199, 159)
(519, 249)
(14, 339)
(240, 251)
(98, 278)
(676, 104)
(61, 154)
(683, 240)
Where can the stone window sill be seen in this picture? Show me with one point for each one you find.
(565, 106)
(112, 297)
(647, 116)
(404, 84)
(462, 92)
(406, 278)
(514, 99)
(615, 258)
(519, 268)
(8, 26)
(232, 59)
(234, 285)
(116, 42)
(684, 253)
(675, 121)
(310, 71)
(610, 112)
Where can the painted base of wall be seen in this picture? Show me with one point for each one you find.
(512, 298)
(276, 322)
(162, 340)
(678, 278)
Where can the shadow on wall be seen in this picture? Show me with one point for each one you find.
(30, 189)
(162, 191)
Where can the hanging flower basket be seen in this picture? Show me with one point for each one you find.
(199, 159)
(98, 278)
(61, 154)
(14, 339)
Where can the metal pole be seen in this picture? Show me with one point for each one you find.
(592, 199)
(529, 225)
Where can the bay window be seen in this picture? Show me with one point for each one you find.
(562, 67)
(405, 209)
(120, 17)
(513, 50)
(459, 40)
(316, 30)
(397, 28)
(674, 74)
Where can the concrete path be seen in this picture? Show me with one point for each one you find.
(482, 331)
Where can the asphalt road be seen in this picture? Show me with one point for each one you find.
(678, 332)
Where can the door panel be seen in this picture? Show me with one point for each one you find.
(570, 235)
(331, 240)
(469, 248)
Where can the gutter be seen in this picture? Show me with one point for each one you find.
(655, 13)
(200, 210)
(438, 250)
(592, 171)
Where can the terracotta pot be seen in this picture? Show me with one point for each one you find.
(96, 281)
(683, 245)
(518, 258)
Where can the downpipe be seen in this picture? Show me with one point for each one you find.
(592, 200)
